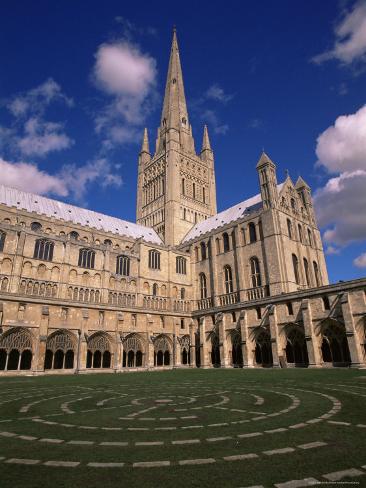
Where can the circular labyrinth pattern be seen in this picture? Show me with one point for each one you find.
(165, 425)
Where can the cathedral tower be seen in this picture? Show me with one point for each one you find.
(176, 187)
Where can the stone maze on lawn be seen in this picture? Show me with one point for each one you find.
(203, 428)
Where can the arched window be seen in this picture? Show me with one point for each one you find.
(123, 265)
(155, 290)
(203, 286)
(217, 245)
(289, 228)
(86, 258)
(182, 293)
(43, 249)
(203, 251)
(183, 186)
(74, 235)
(316, 274)
(293, 204)
(194, 190)
(107, 242)
(252, 232)
(300, 233)
(228, 279)
(295, 265)
(2, 240)
(310, 238)
(180, 265)
(154, 259)
(307, 274)
(255, 272)
(36, 226)
(326, 302)
(226, 240)
(204, 194)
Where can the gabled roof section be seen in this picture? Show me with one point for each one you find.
(71, 214)
(225, 217)
(301, 183)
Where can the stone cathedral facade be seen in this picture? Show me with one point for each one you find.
(183, 287)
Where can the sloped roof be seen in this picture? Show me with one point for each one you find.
(226, 216)
(43, 206)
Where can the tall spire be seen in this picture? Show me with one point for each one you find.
(174, 114)
(206, 141)
(145, 143)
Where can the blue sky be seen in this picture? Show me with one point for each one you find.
(80, 80)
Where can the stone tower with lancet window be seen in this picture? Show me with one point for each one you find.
(176, 186)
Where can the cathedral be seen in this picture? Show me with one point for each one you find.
(184, 286)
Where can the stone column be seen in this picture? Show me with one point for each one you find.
(245, 342)
(273, 326)
(192, 348)
(224, 350)
(117, 354)
(351, 333)
(203, 343)
(311, 339)
(83, 350)
(39, 351)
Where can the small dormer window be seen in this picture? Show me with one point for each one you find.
(174, 81)
(184, 120)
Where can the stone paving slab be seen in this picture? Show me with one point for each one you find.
(284, 450)
(298, 483)
(151, 464)
(149, 443)
(251, 434)
(22, 461)
(239, 457)
(184, 462)
(311, 445)
(106, 465)
(346, 473)
(218, 439)
(51, 441)
(62, 464)
(187, 441)
(114, 443)
(81, 443)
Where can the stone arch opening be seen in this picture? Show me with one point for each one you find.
(16, 351)
(236, 351)
(334, 346)
(162, 351)
(296, 350)
(133, 351)
(185, 350)
(263, 349)
(99, 353)
(215, 350)
(60, 350)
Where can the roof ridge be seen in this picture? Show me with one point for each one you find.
(83, 213)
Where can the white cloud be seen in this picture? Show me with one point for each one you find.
(29, 177)
(211, 118)
(350, 37)
(37, 99)
(340, 207)
(342, 147)
(41, 137)
(360, 261)
(129, 76)
(71, 180)
(31, 134)
(215, 92)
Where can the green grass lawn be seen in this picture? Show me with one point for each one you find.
(228, 418)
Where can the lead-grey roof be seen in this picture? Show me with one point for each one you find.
(48, 207)
(226, 216)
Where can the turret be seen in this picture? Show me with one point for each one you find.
(303, 189)
(268, 181)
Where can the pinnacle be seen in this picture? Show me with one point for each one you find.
(264, 159)
(145, 142)
(206, 141)
(301, 183)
